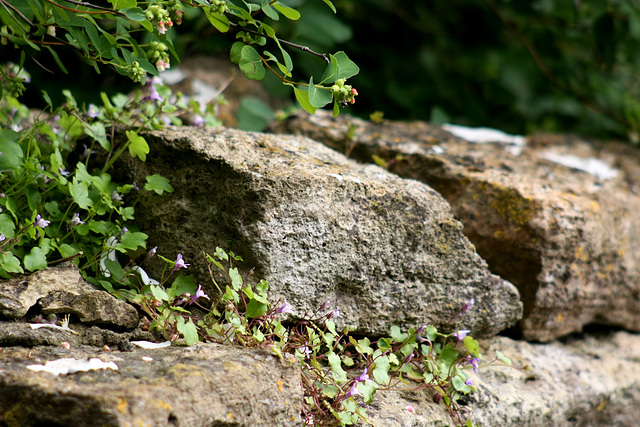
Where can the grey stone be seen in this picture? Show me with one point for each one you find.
(318, 226)
(61, 290)
(204, 385)
(566, 238)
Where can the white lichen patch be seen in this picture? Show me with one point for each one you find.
(151, 345)
(70, 366)
(515, 143)
(591, 165)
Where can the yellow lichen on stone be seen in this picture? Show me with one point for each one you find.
(122, 406)
(512, 206)
(164, 405)
(280, 384)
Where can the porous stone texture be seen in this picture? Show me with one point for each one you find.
(591, 381)
(204, 385)
(566, 238)
(61, 290)
(386, 251)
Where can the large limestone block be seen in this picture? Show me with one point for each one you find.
(385, 250)
(566, 236)
(204, 385)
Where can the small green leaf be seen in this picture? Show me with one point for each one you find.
(116, 270)
(368, 389)
(236, 49)
(459, 384)
(182, 284)
(138, 147)
(159, 293)
(255, 309)
(158, 183)
(218, 20)
(80, 193)
(471, 345)
(448, 355)
(290, 13)
(339, 375)
(503, 358)
(12, 153)
(328, 3)
(384, 344)
(268, 10)
(346, 67)
(132, 240)
(10, 263)
(397, 334)
(380, 372)
(188, 330)
(319, 97)
(7, 226)
(302, 96)
(251, 63)
(36, 260)
(135, 14)
(236, 279)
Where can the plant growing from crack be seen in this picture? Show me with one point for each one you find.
(340, 373)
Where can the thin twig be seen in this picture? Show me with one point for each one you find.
(7, 6)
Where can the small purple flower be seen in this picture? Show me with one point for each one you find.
(335, 313)
(306, 351)
(152, 252)
(76, 220)
(324, 305)
(468, 381)
(154, 95)
(461, 334)
(474, 362)
(39, 222)
(467, 306)
(420, 329)
(408, 358)
(179, 264)
(199, 294)
(354, 391)
(2, 237)
(124, 230)
(116, 196)
(286, 308)
(198, 121)
(363, 377)
(63, 172)
(93, 111)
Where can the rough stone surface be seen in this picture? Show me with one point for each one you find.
(592, 381)
(204, 385)
(62, 290)
(317, 226)
(566, 238)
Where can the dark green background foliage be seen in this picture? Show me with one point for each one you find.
(521, 66)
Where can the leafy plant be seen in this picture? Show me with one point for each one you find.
(58, 200)
(340, 373)
(133, 38)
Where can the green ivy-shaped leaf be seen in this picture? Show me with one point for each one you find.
(188, 330)
(158, 183)
(10, 263)
(138, 147)
(35, 260)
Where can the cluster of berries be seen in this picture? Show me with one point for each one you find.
(219, 6)
(343, 93)
(159, 55)
(160, 16)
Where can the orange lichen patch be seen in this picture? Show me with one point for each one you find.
(595, 206)
(122, 406)
(230, 415)
(280, 384)
(560, 318)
